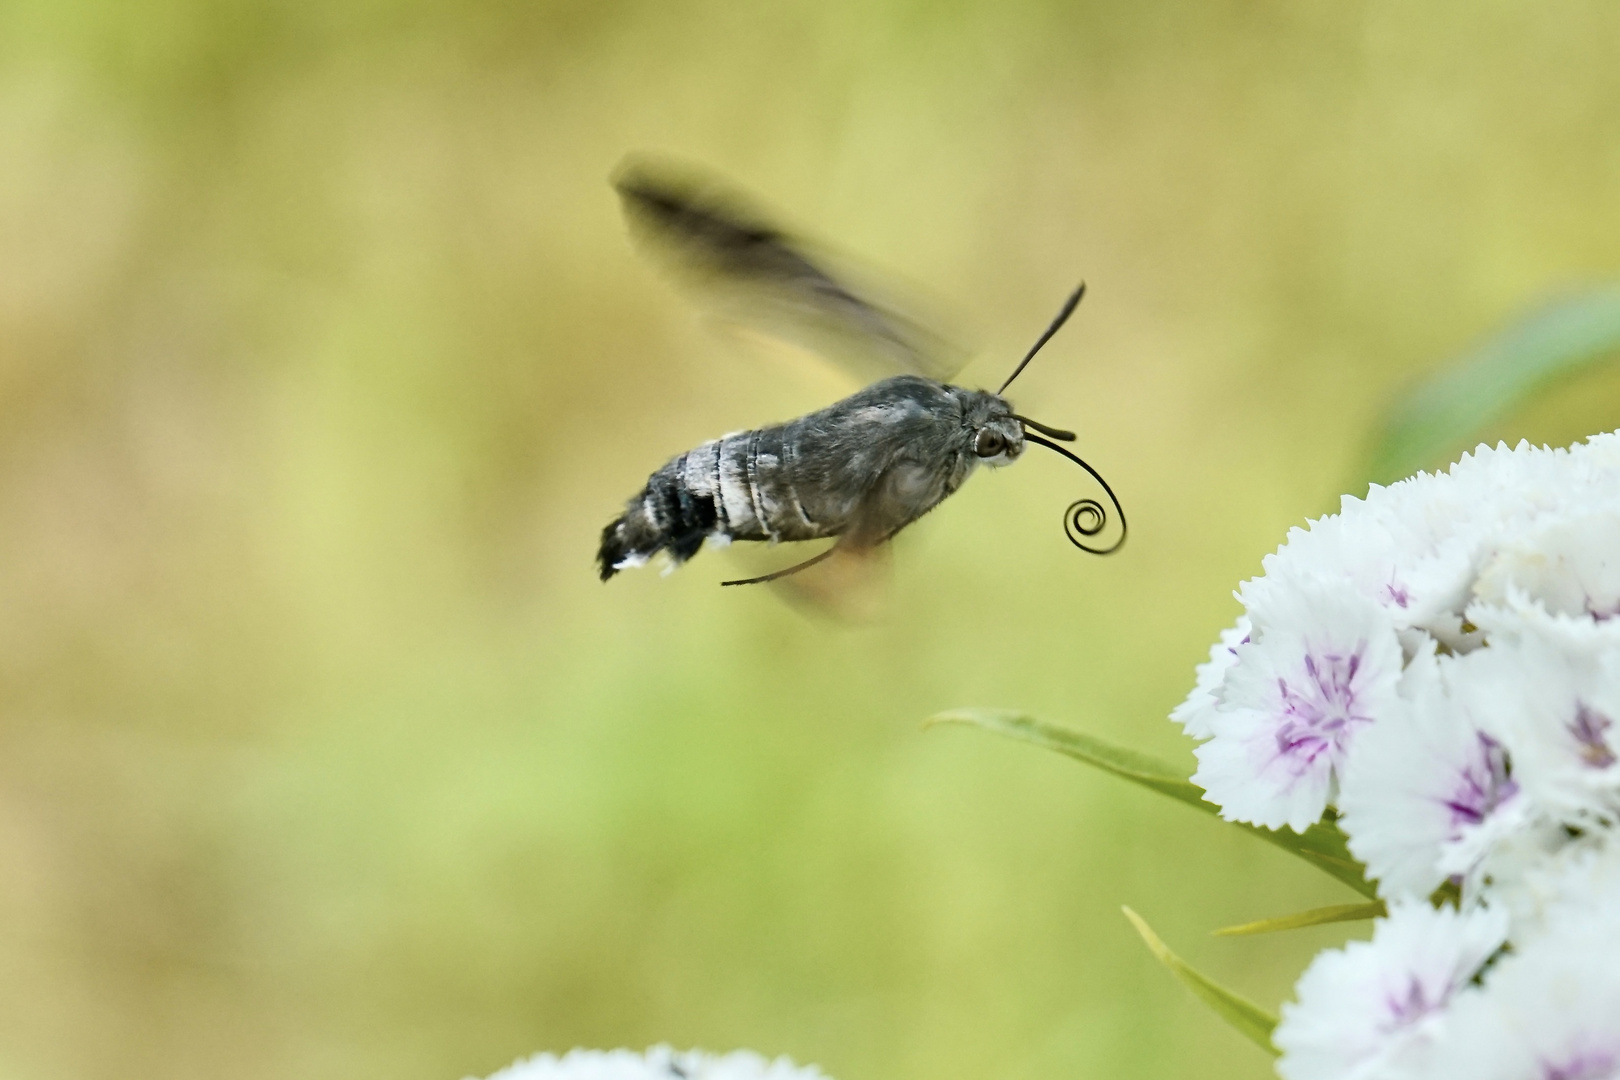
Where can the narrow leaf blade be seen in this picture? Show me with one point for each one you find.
(1132, 765)
(1443, 413)
(1314, 917)
(1243, 1015)
(1323, 845)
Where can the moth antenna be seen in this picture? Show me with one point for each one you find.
(1049, 432)
(1057, 324)
(1086, 517)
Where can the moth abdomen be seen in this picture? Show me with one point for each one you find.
(667, 515)
(739, 487)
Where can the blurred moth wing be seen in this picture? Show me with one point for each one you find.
(749, 270)
(850, 586)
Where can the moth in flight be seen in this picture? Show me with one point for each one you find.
(859, 470)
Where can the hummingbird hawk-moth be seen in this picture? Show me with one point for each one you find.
(859, 470)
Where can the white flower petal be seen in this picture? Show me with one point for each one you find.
(658, 1063)
(1551, 1009)
(1427, 792)
(1550, 691)
(1367, 1009)
(1322, 665)
(1567, 565)
(1196, 715)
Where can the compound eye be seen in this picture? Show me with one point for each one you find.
(989, 443)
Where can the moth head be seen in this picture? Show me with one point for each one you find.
(995, 435)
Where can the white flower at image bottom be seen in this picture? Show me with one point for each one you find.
(1550, 1011)
(657, 1063)
(1367, 1009)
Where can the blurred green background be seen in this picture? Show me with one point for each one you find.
(324, 359)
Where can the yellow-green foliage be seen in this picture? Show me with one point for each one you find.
(323, 360)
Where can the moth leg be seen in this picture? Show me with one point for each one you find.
(848, 587)
(794, 569)
(869, 532)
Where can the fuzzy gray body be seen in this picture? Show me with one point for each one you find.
(861, 469)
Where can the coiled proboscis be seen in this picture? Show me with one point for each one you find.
(1086, 518)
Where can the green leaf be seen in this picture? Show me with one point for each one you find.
(1442, 414)
(1323, 845)
(1314, 917)
(1133, 765)
(1249, 1019)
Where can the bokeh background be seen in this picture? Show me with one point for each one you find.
(324, 358)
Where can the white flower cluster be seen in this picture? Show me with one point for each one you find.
(658, 1063)
(1440, 663)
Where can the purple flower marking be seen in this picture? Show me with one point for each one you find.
(1318, 716)
(1599, 615)
(1413, 1007)
(1589, 728)
(1483, 785)
(1586, 1065)
(1397, 595)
